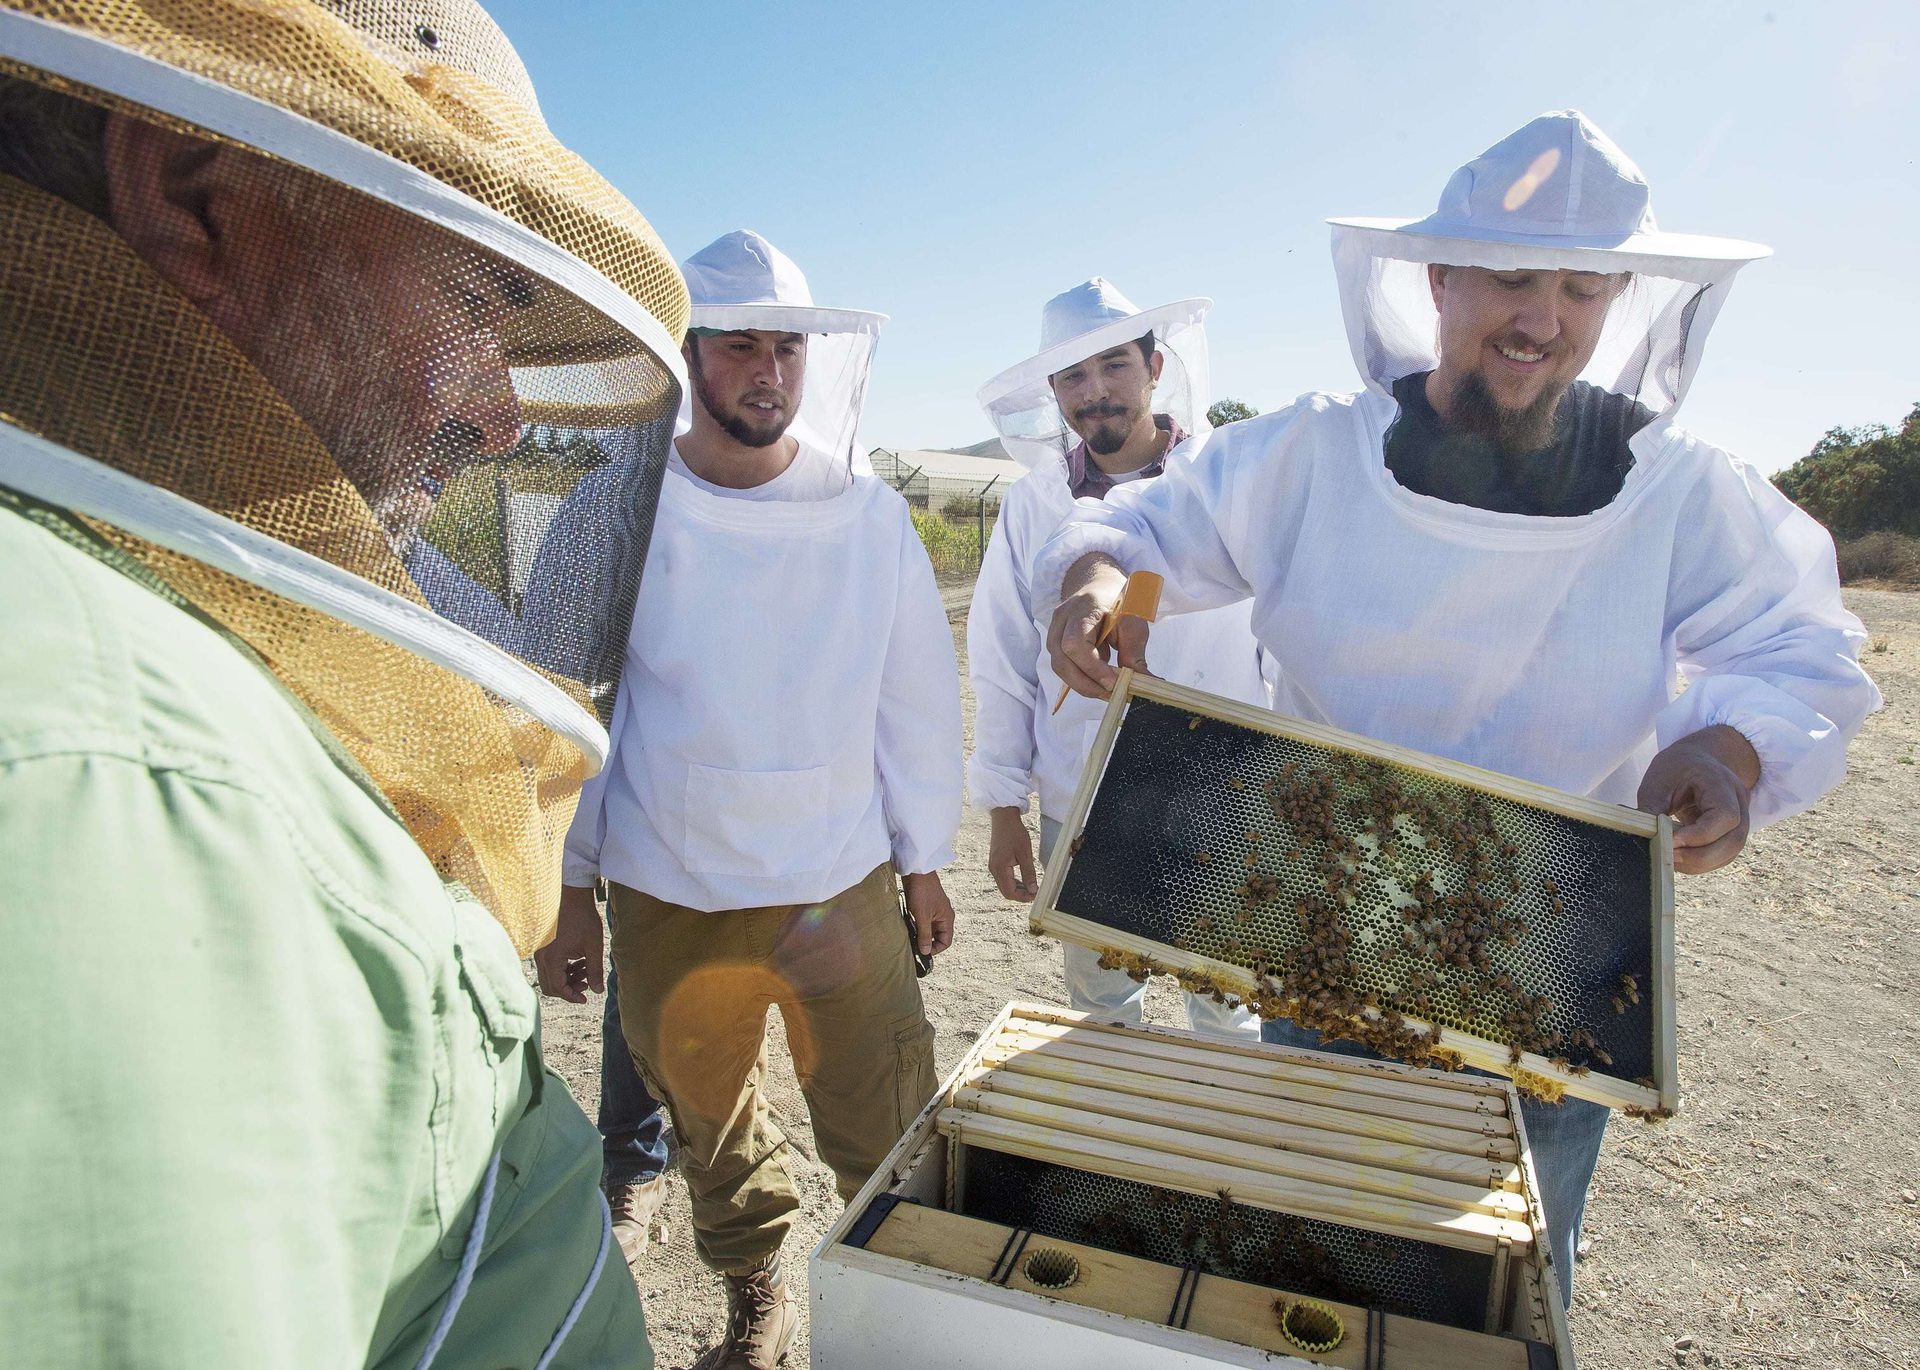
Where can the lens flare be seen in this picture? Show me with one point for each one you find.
(712, 1030)
(1531, 179)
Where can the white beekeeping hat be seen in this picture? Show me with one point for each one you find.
(742, 281)
(1557, 194)
(1092, 318)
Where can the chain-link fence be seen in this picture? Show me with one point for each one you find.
(953, 517)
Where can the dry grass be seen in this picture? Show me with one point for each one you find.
(1885, 559)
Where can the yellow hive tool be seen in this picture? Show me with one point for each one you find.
(1140, 597)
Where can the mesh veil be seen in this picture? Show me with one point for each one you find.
(742, 282)
(344, 433)
(839, 364)
(1555, 195)
(1020, 402)
(1648, 350)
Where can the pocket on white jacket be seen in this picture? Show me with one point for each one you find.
(755, 823)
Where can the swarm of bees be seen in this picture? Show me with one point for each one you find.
(1259, 889)
(1363, 839)
(1138, 968)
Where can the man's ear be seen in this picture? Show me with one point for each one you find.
(1156, 364)
(1436, 281)
(164, 195)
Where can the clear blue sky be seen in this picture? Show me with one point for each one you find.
(955, 165)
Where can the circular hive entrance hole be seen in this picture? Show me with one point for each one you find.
(1050, 1268)
(1311, 1326)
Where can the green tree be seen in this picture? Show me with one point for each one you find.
(1223, 412)
(1861, 480)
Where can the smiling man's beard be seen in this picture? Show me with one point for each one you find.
(744, 430)
(1102, 434)
(1513, 432)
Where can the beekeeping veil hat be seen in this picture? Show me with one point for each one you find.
(1558, 194)
(1083, 322)
(308, 313)
(742, 281)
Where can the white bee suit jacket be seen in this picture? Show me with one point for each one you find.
(793, 715)
(1550, 649)
(1018, 745)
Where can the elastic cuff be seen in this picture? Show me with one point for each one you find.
(923, 863)
(1067, 546)
(997, 796)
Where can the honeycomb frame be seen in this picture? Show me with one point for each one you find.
(1269, 935)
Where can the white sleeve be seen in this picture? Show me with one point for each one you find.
(580, 855)
(917, 736)
(1003, 654)
(1183, 525)
(1756, 623)
(459, 598)
(557, 609)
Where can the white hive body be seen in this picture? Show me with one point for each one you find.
(1084, 1194)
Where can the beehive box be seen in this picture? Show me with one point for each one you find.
(1434, 911)
(1086, 1195)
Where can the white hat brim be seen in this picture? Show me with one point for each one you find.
(1687, 256)
(1100, 338)
(784, 318)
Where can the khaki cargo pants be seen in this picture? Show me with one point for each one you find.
(694, 992)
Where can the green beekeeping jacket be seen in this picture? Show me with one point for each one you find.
(256, 1057)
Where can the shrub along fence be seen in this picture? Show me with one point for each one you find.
(954, 519)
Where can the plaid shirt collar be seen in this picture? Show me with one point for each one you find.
(1087, 481)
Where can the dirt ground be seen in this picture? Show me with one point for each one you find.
(1774, 1223)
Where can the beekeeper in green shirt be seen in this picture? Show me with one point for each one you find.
(301, 311)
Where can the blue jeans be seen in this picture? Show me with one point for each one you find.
(1564, 1139)
(633, 1129)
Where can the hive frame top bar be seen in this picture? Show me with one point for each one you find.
(1047, 918)
(858, 1285)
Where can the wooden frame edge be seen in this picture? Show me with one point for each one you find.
(1384, 1068)
(1046, 919)
(1475, 1232)
(1060, 859)
(1666, 1005)
(1540, 1258)
(1474, 1051)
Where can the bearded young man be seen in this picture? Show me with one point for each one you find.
(756, 824)
(275, 824)
(1508, 553)
(1112, 391)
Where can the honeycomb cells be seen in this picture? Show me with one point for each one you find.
(1351, 888)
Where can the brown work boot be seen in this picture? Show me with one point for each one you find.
(761, 1319)
(636, 1215)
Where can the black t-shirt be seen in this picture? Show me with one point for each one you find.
(1580, 471)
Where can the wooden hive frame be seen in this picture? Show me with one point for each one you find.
(1659, 1099)
(1377, 1147)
